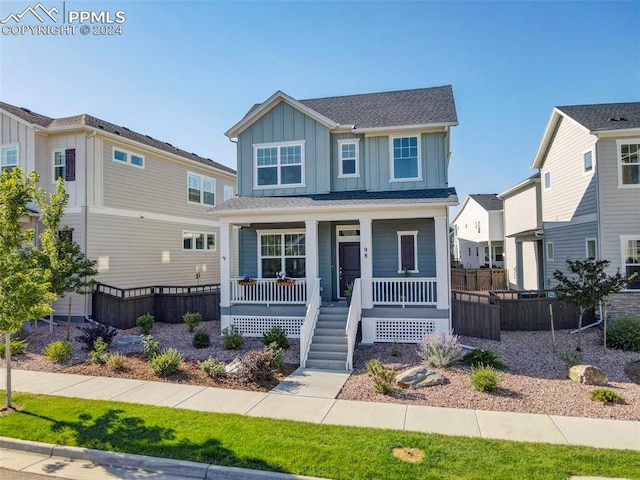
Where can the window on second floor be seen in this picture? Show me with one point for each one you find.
(591, 248)
(587, 161)
(550, 252)
(348, 158)
(279, 165)
(123, 156)
(228, 192)
(8, 157)
(629, 163)
(547, 180)
(201, 189)
(64, 164)
(405, 159)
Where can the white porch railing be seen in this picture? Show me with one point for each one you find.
(309, 325)
(404, 291)
(355, 311)
(267, 291)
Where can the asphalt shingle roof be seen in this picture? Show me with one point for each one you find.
(488, 201)
(357, 197)
(88, 120)
(605, 116)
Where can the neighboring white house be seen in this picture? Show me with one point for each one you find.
(137, 204)
(479, 232)
(589, 162)
(523, 234)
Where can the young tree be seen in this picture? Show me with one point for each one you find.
(588, 285)
(24, 285)
(71, 271)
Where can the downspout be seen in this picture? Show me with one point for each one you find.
(86, 211)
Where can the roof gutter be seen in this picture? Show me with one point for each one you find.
(443, 125)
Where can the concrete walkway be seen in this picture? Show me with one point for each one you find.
(599, 433)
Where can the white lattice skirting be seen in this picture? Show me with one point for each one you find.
(400, 331)
(255, 326)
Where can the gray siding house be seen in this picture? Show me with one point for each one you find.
(336, 194)
(589, 162)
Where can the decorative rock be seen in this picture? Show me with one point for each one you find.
(587, 374)
(129, 340)
(234, 366)
(419, 377)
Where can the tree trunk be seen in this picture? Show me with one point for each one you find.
(7, 356)
(51, 323)
(69, 320)
(579, 348)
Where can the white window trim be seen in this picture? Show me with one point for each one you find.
(205, 249)
(619, 144)
(341, 142)
(413, 233)
(226, 189)
(593, 162)
(544, 180)
(256, 146)
(53, 165)
(202, 179)
(623, 256)
(17, 147)
(546, 251)
(586, 246)
(391, 165)
(281, 232)
(128, 153)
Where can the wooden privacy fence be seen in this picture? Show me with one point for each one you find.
(485, 315)
(478, 279)
(120, 307)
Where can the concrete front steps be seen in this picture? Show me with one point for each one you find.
(328, 350)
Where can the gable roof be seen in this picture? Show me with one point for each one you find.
(96, 123)
(533, 179)
(488, 201)
(400, 108)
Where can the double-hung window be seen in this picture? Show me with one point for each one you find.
(405, 158)
(407, 252)
(201, 189)
(198, 241)
(629, 163)
(279, 165)
(348, 158)
(282, 252)
(8, 157)
(631, 260)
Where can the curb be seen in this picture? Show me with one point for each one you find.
(166, 466)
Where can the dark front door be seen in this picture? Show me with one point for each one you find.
(349, 264)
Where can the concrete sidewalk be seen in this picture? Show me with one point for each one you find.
(599, 433)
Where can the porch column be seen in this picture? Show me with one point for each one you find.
(311, 248)
(226, 263)
(442, 262)
(366, 262)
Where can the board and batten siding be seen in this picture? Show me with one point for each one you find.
(349, 183)
(13, 131)
(619, 207)
(283, 123)
(568, 243)
(572, 192)
(385, 247)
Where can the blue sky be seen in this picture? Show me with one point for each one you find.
(185, 71)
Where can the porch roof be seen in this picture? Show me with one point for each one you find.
(431, 196)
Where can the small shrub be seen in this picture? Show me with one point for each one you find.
(212, 367)
(276, 335)
(488, 358)
(440, 349)
(383, 377)
(167, 363)
(232, 338)
(115, 361)
(17, 347)
(100, 352)
(92, 331)
(192, 320)
(201, 340)
(624, 334)
(151, 347)
(571, 358)
(606, 395)
(58, 351)
(484, 378)
(278, 358)
(145, 322)
(395, 351)
(258, 365)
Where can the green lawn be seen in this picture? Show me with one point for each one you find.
(301, 448)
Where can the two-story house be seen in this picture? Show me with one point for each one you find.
(522, 217)
(137, 204)
(339, 192)
(589, 162)
(479, 232)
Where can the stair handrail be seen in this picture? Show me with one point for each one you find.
(309, 325)
(353, 319)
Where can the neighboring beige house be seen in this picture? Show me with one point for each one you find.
(479, 232)
(523, 234)
(137, 204)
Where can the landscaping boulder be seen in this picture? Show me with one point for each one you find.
(587, 374)
(633, 371)
(419, 377)
(234, 366)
